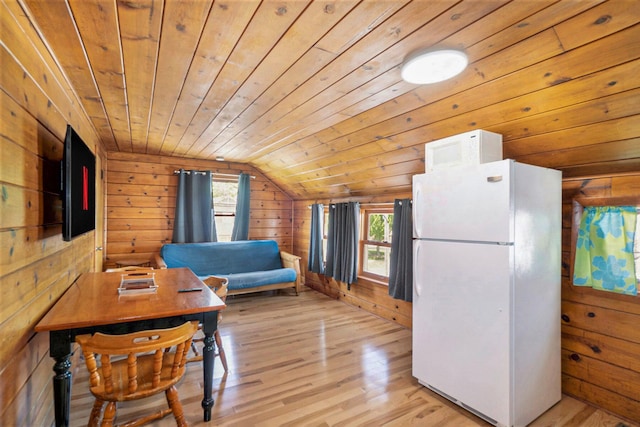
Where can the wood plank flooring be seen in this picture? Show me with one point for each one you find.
(314, 361)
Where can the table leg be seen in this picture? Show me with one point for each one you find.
(60, 350)
(209, 326)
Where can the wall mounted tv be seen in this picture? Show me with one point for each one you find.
(78, 187)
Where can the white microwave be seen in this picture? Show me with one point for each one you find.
(469, 148)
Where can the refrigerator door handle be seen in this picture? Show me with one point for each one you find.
(416, 257)
(496, 178)
(416, 213)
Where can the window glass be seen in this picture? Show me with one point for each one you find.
(224, 207)
(375, 253)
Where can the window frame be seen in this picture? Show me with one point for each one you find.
(364, 241)
(216, 212)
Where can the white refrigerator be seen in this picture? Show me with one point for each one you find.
(486, 291)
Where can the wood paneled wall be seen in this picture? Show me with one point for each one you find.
(36, 265)
(600, 330)
(141, 192)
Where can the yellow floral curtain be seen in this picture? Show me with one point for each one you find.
(604, 249)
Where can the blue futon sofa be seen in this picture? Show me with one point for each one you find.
(249, 265)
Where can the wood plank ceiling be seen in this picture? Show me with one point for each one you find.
(310, 93)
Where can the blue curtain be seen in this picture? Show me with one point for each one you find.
(315, 263)
(604, 249)
(193, 221)
(342, 242)
(401, 268)
(241, 222)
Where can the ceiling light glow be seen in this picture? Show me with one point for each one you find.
(433, 66)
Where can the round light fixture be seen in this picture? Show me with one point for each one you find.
(433, 66)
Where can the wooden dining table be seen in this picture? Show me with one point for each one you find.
(93, 304)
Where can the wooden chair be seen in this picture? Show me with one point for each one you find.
(220, 286)
(135, 366)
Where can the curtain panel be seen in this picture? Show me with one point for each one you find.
(604, 249)
(401, 267)
(342, 242)
(315, 262)
(243, 200)
(193, 221)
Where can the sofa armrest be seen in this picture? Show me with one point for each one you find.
(292, 261)
(157, 259)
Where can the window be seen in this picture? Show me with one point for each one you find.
(579, 205)
(224, 207)
(374, 255)
(375, 245)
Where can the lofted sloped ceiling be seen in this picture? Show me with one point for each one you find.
(310, 93)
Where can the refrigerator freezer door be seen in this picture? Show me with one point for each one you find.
(461, 323)
(471, 203)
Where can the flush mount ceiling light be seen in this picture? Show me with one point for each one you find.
(433, 66)
(219, 159)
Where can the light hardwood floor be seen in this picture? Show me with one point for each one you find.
(313, 361)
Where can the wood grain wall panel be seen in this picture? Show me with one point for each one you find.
(614, 323)
(30, 362)
(600, 338)
(268, 23)
(595, 133)
(137, 189)
(139, 235)
(266, 212)
(24, 284)
(181, 32)
(304, 101)
(142, 201)
(624, 382)
(316, 18)
(601, 397)
(137, 213)
(141, 191)
(51, 17)
(117, 224)
(605, 152)
(602, 347)
(625, 185)
(597, 23)
(602, 168)
(598, 101)
(139, 28)
(36, 265)
(206, 66)
(31, 401)
(101, 41)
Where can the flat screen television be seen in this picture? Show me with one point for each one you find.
(78, 187)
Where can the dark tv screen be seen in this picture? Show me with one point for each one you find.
(78, 187)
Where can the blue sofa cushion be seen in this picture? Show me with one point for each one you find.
(224, 258)
(259, 278)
